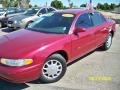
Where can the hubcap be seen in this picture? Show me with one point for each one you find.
(109, 41)
(52, 69)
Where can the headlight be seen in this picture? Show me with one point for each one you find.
(15, 22)
(23, 21)
(18, 62)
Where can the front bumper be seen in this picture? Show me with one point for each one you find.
(20, 74)
(4, 21)
(12, 24)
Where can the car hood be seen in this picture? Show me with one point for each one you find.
(19, 17)
(23, 42)
(31, 18)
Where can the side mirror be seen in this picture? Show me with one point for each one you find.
(6, 15)
(39, 14)
(79, 29)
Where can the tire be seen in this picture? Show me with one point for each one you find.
(108, 42)
(54, 72)
(1, 25)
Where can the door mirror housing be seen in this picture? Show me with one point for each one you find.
(79, 29)
(39, 14)
(5, 14)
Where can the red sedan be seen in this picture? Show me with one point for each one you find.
(46, 46)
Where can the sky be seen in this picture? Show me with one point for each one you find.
(76, 2)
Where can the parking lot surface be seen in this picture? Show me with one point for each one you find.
(99, 70)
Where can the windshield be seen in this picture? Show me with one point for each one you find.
(2, 10)
(31, 11)
(53, 23)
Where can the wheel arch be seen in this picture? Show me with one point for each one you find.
(61, 52)
(112, 32)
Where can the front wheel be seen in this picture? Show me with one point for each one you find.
(1, 24)
(108, 42)
(53, 69)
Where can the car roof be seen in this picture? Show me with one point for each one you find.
(75, 10)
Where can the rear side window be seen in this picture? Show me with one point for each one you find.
(84, 20)
(97, 19)
(103, 18)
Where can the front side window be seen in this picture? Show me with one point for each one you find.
(43, 11)
(59, 23)
(50, 9)
(84, 21)
(31, 11)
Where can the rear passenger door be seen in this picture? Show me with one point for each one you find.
(100, 25)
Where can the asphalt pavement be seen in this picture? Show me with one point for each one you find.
(99, 70)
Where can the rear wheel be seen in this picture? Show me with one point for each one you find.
(53, 69)
(108, 42)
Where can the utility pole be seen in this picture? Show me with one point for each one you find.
(46, 4)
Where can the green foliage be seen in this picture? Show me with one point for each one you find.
(64, 7)
(83, 5)
(30, 6)
(106, 6)
(112, 6)
(35, 6)
(11, 3)
(57, 4)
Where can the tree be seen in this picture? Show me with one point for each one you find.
(100, 6)
(70, 4)
(83, 5)
(5, 3)
(65, 7)
(35, 6)
(112, 6)
(106, 6)
(1, 1)
(14, 3)
(30, 6)
(57, 4)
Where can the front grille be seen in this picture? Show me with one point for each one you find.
(10, 22)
